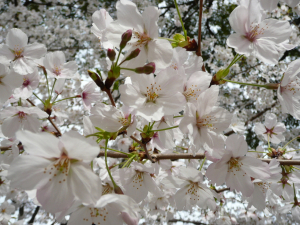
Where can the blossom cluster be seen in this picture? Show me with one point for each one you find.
(155, 103)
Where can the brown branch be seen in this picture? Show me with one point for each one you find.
(2, 149)
(221, 190)
(174, 156)
(198, 52)
(151, 158)
(34, 215)
(49, 118)
(55, 127)
(253, 118)
(185, 221)
(108, 92)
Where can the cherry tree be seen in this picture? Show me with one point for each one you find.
(140, 112)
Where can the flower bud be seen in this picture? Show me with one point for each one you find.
(125, 38)
(147, 69)
(111, 54)
(133, 54)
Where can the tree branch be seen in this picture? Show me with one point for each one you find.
(185, 221)
(145, 148)
(175, 156)
(34, 215)
(253, 118)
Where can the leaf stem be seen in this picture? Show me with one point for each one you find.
(184, 31)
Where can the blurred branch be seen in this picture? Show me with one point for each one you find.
(34, 215)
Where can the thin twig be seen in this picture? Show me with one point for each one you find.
(2, 149)
(175, 156)
(145, 148)
(253, 118)
(198, 52)
(108, 92)
(34, 215)
(185, 221)
(56, 128)
(49, 118)
(221, 190)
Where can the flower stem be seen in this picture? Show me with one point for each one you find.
(289, 142)
(77, 96)
(38, 98)
(203, 161)
(107, 168)
(128, 161)
(52, 88)
(118, 57)
(115, 150)
(169, 128)
(123, 68)
(256, 151)
(184, 31)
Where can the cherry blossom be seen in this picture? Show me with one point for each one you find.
(271, 131)
(60, 168)
(236, 169)
(20, 54)
(145, 34)
(256, 35)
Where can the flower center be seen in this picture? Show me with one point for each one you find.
(206, 121)
(255, 30)
(98, 212)
(138, 179)
(152, 93)
(26, 82)
(57, 70)
(21, 115)
(142, 39)
(234, 163)
(18, 52)
(191, 92)
(1, 77)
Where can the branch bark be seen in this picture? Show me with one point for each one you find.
(175, 156)
(34, 215)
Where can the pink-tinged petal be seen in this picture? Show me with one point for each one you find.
(56, 195)
(150, 17)
(101, 19)
(10, 126)
(267, 51)
(240, 181)
(81, 216)
(152, 186)
(241, 44)
(79, 147)
(23, 66)
(238, 19)
(128, 219)
(292, 71)
(69, 70)
(136, 188)
(6, 55)
(236, 144)
(258, 198)
(31, 123)
(41, 144)
(129, 16)
(269, 5)
(276, 31)
(5, 92)
(270, 120)
(255, 167)
(27, 172)
(160, 52)
(54, 59)
(181, 198)
(16, 38)
(86, 184)
(131, 97)
(259, 129)
(34, 51)
(217, 176)
(207, 100)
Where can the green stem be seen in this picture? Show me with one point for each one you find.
(169, 39)
(235, 59)
(38, 98)
(139, 130)
(294, 150)
(52, 88)
(177, 116)
(118, 57)
(256, 151)
(289, 142)
(128, 161)
(269, 141)
(122, 68)
(112, 179)
(184, 31)
(248, 84)
(169, 128)
(66, 99)
(202, 163)
(115, 150)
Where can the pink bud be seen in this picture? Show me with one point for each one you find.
(111, 54)
(147, 69)
(125, 38)
(133, 54)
